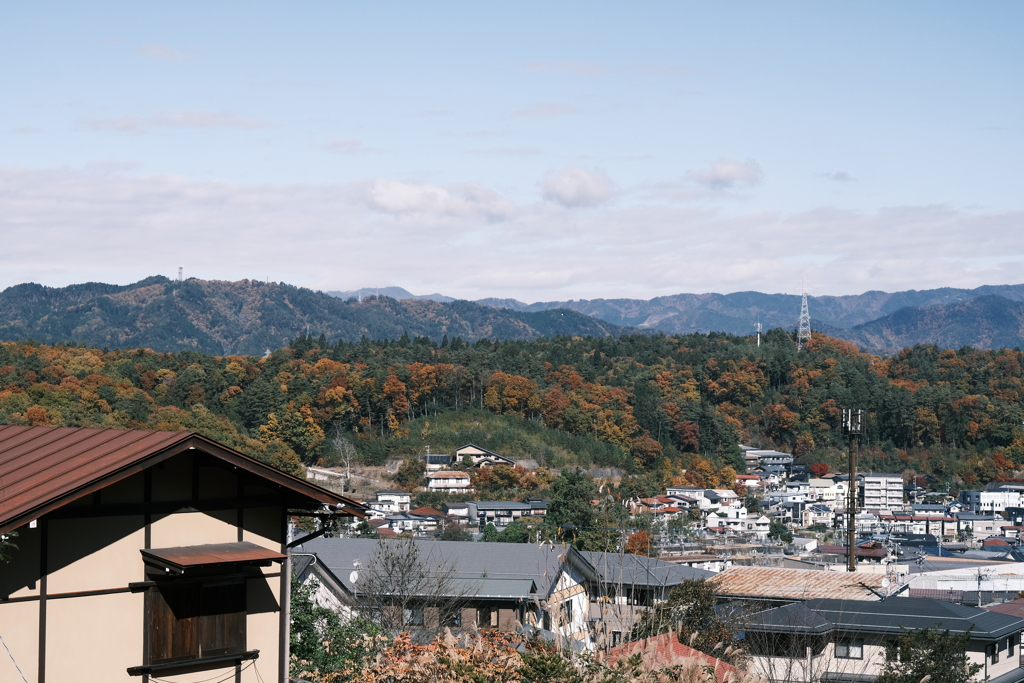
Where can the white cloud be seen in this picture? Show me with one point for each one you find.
(470, 199)
(569, 67)
(728, 174)
(349, 147)
(573, 186)
(838, 176)
(506, 152)
(163, 53)
(547, 109)
(67, 226)
(175, 119)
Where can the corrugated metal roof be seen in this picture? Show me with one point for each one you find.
(797, 584)
(887, 616)
(211, 555)
(44, 468)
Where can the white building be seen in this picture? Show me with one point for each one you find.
(881, 491)
(990, 502)
(449, 481)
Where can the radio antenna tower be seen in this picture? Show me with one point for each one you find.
(803, 330)
(757, 327)
(179, 273)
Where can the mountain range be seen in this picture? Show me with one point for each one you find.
(882, 322)
(249, 316)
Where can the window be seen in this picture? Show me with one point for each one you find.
(195, 619)
(993, 652)
(487, 617)
(413, 616)
(616, 638)
(567, 612)
(850, 648)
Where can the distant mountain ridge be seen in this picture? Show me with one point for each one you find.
(249, 316)
(877, 321)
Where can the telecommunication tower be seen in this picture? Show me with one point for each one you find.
(803, 330)
(757, 326)
(179, 273)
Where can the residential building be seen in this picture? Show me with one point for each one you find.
(881, 491)
(991, 502)
(481, 457)
(501, 513)
(818, 515)
(449, 481)
(394, 500)
(550, 587)
(118, 528)
(846, 640)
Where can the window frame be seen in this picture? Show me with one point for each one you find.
(849, 645)
(211, 629)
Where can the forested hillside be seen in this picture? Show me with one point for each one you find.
(650, 405)
(249, 316)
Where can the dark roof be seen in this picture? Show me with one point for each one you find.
(885, 616)
(211, 555)
(44, 468)
(470, 560)
(636, 570)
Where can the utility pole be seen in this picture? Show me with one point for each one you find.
(852, 419)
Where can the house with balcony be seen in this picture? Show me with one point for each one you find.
(846, 640)
(881, 491)
(449, 481)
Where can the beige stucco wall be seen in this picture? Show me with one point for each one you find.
(95, 638)
(19, 627)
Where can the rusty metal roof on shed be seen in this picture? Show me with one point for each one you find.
(44, 468)
(778, 583)
(211, 555)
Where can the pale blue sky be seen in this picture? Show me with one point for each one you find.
(535, 150)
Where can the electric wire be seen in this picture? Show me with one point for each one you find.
(13, 659)
(214, 679)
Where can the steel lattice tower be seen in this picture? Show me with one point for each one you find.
(803, 330)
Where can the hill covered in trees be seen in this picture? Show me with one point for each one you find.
(249, 316)
(669, 409)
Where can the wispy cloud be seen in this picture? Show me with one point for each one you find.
(349, 147)
(728, 174)
(547, 109)
(505, 152)
(838, 176)
(425, 200)
(570, 67)
(163, 53)
(63, 226)
(26, 130)
(176, 119)
(574, 187)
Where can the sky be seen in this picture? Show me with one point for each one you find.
(534, 150)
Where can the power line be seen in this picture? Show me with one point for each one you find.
(13, 660)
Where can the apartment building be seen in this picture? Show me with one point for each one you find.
(881, 491)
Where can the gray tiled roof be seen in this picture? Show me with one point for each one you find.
(470, 559)
(885, 616)
(638, 570)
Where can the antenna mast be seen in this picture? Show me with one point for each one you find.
(179, 273)
(803, 331)
(852, 427)
(757, 327)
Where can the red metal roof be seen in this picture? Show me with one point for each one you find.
(44, 468)
(211, 555)
(666, 651)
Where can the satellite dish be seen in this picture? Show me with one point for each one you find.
(353, 577)
(885, 582)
